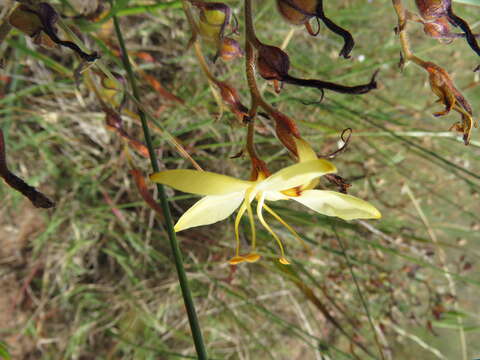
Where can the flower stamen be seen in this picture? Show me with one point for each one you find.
(289, 228)
(260, 205)
(240, 213)
(248, 200)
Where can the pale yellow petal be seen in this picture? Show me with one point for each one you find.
(275, 196)
(296, 175)
(305, 151)
(333, 203)
(209, 210)
(200, 182)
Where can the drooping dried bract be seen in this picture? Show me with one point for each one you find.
(37, 198)
(442, 85)
(231, 98)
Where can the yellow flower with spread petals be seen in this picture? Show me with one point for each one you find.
(224, 194)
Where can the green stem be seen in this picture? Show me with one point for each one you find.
(362, 299)
(182, 277)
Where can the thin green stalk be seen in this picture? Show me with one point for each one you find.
(182, 277)
(362, 299)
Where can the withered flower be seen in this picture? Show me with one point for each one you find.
(38, 22)
(274, 64)
(442, 85)
(229, 49)
(213, 19)
(437, 15)
(299, 12)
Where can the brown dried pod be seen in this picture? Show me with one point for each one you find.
(38, 21)
(274, 64)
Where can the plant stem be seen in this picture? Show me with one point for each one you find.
(362, 299)
(182, 277)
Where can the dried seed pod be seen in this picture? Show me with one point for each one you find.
(38, 21)
(272, 63)
(25, 20)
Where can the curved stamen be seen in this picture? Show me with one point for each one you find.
(289, 228)
(240, 213)
(248, 200)
(260, 205)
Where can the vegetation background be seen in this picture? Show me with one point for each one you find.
(93, 278)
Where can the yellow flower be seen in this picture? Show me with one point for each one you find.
(224, 194)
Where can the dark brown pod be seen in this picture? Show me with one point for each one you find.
(272, 63)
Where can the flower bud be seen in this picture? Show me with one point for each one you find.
(229, 49)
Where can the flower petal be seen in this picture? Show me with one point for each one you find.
(304, 150)
(209, 210)
(200, 182)
(296, 175)
(333, 203)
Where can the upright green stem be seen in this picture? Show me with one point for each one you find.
(182, 277)
(362, 299)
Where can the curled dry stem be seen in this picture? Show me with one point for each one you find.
(37, 198)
